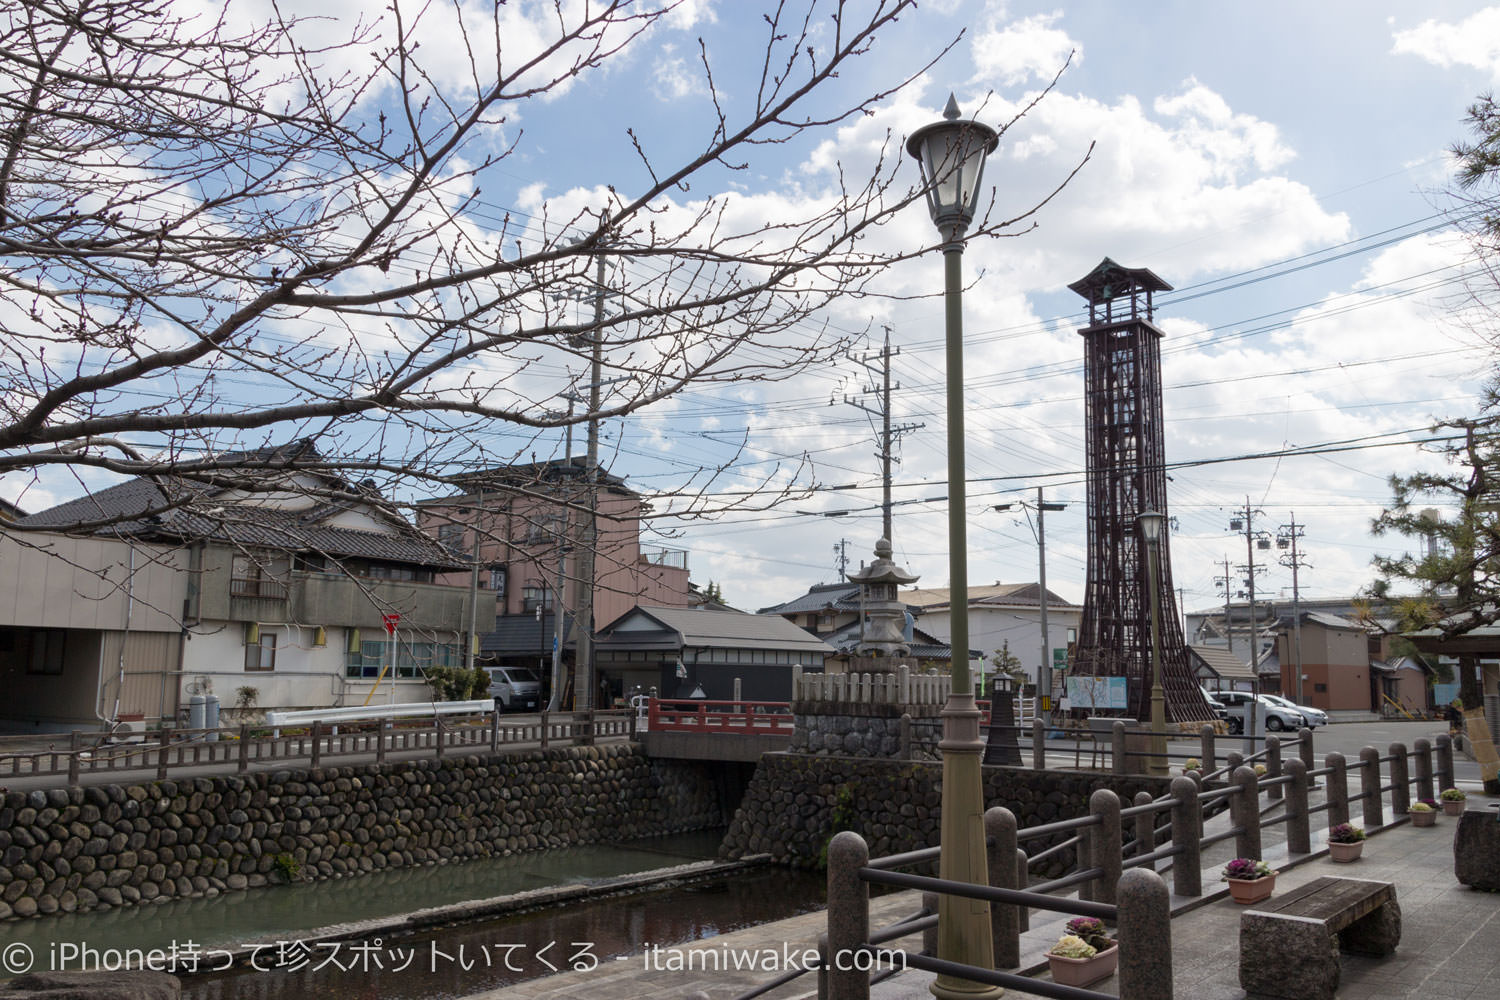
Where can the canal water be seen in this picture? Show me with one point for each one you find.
(436, 962)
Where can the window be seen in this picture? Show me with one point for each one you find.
(412, 658)
(257, 575)
(497, 580)
(261, 655)
(451, 535)
(1320, 688)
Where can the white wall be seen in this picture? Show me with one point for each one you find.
(989, 628)
(305, 675)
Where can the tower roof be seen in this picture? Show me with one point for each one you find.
(1111, 281)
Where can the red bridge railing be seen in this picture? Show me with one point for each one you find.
(757, 718)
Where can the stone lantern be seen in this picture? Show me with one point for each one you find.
(885, 615)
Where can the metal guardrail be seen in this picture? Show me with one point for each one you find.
(239, 748)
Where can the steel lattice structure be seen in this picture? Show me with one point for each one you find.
(1127, 475)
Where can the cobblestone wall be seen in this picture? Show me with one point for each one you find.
(796, 802)
(67, 850)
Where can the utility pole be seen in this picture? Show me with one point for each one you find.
(887, 436)
(1227, 583)
(1286, 538)
(841, 557)
(1244, 521)
(1044, 674)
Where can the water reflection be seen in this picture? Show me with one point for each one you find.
(461, 960)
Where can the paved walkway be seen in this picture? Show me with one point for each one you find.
(1450, 944)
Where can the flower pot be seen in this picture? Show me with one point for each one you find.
(1453, 808)
(1423, 819)
(1251, 890)
(1084, 971)
(1345, 852)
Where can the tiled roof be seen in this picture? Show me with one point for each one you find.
(728, 629)
(177, 509)
(1000, 595)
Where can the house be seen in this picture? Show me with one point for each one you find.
(1217, 669)
(697, 653)
(1337, 675)
(1004, 616)
(832, 611)
(525, 524)
(299, 588)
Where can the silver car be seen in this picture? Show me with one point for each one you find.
(1314, 717)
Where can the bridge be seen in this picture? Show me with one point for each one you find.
(713, 730)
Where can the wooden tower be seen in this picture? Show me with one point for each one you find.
(1127, 475)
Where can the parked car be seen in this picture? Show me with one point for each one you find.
(515, 689)
(1278, 718)
(1315, 716)
(1220, 710)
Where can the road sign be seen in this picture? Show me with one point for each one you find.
(390, 621)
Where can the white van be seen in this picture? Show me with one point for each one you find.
(515, 689)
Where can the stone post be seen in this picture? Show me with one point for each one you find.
(1145, 827)
(1038, 745)
(1370, 806)
(1005, 927)
(73, 762)
(1298, 820)
(1187, 838)
(1401, 779)
(164, 739)
(1244, 812)
(1273, 765)
(243, 764)
(848, 916)
(1444, 761)
(930, 935)
(1423, 749)
(1107, 845)
(381, 729)
(546, 730)
(1233, 761)
(1084, 854)
(1305, 749)
(316, 733)
(1117, 763)
(437, 733)
(1206, 748)
(1338, 788)
(1145, 931)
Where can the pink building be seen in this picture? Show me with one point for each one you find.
(526, 523)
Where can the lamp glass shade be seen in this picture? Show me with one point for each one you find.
(1151, 523)
(952, 154)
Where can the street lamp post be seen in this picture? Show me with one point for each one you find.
(952, 154)
(1151, 524)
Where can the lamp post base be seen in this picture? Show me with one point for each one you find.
(964, 931)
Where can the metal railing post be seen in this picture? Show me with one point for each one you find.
(1023, 881)
(1338, 787)
(1038, 745)
(1422, 747)
(1206, 748)
(1273, 766)
(1187, 838)
(1401, 780)
(495, 731)
(1145, 827)
(73, 762)
(165, 739)
(1005, 926)
(1298, 819)
(848, 916)
(1107, 843)
(1370, 806)
(1117, 749)
(1244, 812)
(1444, 761)
(1145, 930)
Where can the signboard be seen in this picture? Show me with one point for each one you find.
(1098, 693)
(1060, 659)
(390, 621)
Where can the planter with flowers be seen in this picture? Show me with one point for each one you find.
(1250, 880)
(1192, 764)
(1345, 841)
(1423, 812)
(1453, 801)
(1084, 955)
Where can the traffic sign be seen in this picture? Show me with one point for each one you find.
(390, 621)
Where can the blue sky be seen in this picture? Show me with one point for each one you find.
(1281, 165)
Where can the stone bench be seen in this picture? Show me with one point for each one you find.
(1289, 946)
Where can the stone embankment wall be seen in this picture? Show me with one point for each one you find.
(797, 802)
(67, 850)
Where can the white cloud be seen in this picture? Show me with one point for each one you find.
(1475, 42)
(1018, 52)
(674, 77)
